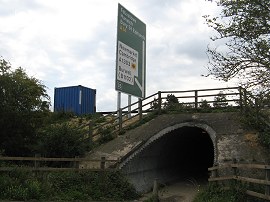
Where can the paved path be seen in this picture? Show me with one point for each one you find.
(181, 191)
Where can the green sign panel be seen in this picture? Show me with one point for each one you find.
(130, 55)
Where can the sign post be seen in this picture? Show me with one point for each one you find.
(130, 54)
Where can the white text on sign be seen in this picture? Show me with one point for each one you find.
(127, 63)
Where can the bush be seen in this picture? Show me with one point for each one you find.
(217, 193)
(62, 140)
(105, 135)
(66, 186)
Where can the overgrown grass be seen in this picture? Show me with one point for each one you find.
(235, 192)
(65, 186)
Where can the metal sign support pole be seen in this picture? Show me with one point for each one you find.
(129, 107)
(118, 103)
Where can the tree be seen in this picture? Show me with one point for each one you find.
(204, 104)
(244, 26)
(220, 100)
(23, 105)
(171, 102)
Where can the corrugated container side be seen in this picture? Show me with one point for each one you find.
(88, 100)
(77, 99)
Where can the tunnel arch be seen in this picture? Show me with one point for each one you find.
(145, 164)
(210, 131)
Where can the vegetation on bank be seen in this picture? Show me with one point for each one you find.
(230, 192)
(217, 193)
(65, 186)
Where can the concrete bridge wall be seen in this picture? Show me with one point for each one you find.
(175, 146)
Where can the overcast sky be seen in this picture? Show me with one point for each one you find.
(73, 42)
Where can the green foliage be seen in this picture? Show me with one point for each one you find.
(59, 117)
(244, 29)
(265, 137)
(218, 193)
(256, 116)
(23, 105)
(171, 102)
(256, 120)
(204, 106)
(220, 101)
(62, 140)
(154, 105)
(153, 198)
(105, 135)
(66, 186)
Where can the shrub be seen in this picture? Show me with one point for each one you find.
(217, 193)
(66, 186)
(62, 140)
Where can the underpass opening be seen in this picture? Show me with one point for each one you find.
(183, 153)
(186, 152)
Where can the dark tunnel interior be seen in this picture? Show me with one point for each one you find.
(186, 152)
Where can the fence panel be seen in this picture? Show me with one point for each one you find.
(238, 177)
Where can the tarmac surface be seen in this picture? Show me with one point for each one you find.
(180, 191)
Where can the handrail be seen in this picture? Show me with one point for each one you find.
(235, 169)
(101, 164)
(116, 121)
(155, 104)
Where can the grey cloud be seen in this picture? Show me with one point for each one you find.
(11, 7)
(101, 39)
(194, 48)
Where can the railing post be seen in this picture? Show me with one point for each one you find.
(234, 167)
(102, 162)
(140, 109)
(267, 178)
(90, 131)
(256, 110)
(75, 162)
(120, 119)
(37, 163)
(129, 106)
(215, 175)
(245, 100)
(155, 191)
(159, 102)
(240, 98)
(196, 99)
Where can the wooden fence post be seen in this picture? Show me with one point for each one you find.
(37, 163)
(196, 99)
(245, 101)
(159, 102)
(240, 98)
(140, 109)
(267, 178)
(90, 131)
(120, 119)
(102, 162)
(235, 170)
(76, 163)
(214, 173)
(155, 191)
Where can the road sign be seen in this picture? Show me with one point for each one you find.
(130, 54)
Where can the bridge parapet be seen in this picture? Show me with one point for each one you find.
(189, 101)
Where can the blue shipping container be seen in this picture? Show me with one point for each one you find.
(77, 99)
